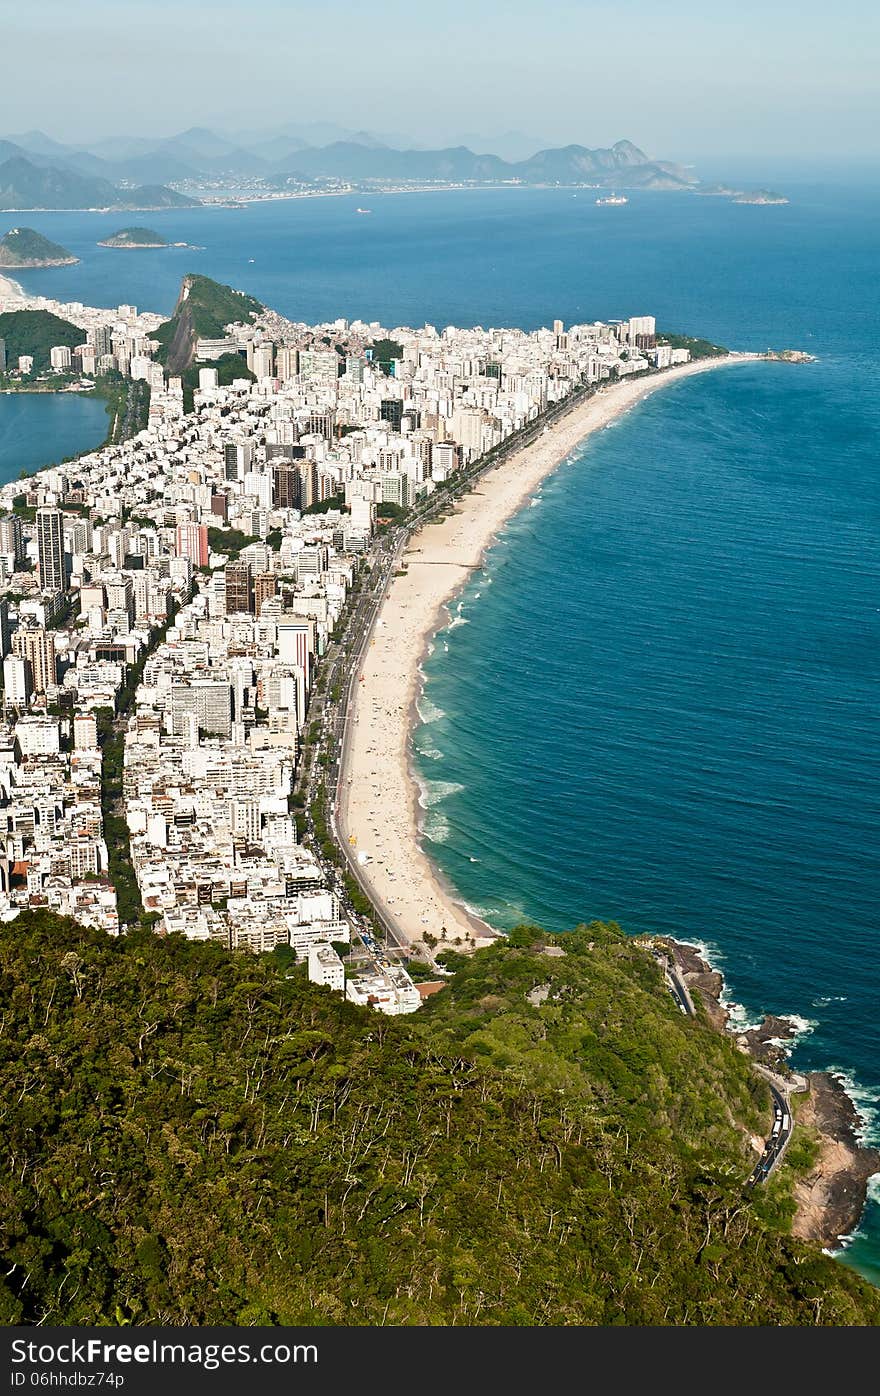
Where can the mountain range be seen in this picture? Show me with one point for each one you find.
(304, 155)
(27, 185)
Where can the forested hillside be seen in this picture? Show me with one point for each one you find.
(194, 1137)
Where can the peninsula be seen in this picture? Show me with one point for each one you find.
(134, 238)
(23, 248)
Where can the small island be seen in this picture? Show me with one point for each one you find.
(741, 196)
(135, 238)
(25, 247)
(760, 196)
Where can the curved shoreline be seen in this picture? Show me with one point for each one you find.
(378, 809)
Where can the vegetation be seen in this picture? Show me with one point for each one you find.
(25, 247)
(385, 351)
(323, 506)
(700, 348)
(36, 332)
(204, 309)
(228, 366)
(388, 510)
(134, 237)
(128, 405)
(195, 1137)
(229, 541)
(24, 185)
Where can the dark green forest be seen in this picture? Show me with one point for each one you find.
(36, 332)
(194, 1137)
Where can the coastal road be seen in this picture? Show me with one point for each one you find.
(674, 976)
(783, 1125)
(783, 1120)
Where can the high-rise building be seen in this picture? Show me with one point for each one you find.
(239, 597)
(285, 486)
(295, 641)
(17, 681)
(308, 484)
(50, 545)
(85, 732)
(37, 646)
(4, 627)
(208, 700)
(60, 357)
(100, 337)
(265, 585)
(643, 331)
(192, 542)
(11, 539)
(264, 355)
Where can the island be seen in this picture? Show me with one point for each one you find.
(760, 196)
(741, 196)
(137, 238)
(25, 247)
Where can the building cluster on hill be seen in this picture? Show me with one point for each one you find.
(188, 582)
(114, 340)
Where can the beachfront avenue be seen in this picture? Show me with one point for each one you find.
(196, 609)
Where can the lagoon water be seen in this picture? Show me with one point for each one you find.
(38, 429)
(679, 730)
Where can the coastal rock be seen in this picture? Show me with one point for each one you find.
(831, 1197)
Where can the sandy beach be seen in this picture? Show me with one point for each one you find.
(379, 809)
(9, 290)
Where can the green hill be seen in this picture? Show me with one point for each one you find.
(207, 1138)
(204, 308)
(25, 247)
(36, 332)
(27, 186)
(134, 237)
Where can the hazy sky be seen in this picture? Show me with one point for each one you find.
(685, 79)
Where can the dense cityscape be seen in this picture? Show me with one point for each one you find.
(171, 601)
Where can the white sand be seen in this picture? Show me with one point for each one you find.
(379, 807)
(10, 290)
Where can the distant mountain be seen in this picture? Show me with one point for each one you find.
(24, 185)
(38, 143)
(319, 150)
(25, 247)
(623, 164)
(349, 160)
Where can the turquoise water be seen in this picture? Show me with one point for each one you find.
(662, 707)
(657, 701)
(38, 429)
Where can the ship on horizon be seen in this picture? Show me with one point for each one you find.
(613, 199)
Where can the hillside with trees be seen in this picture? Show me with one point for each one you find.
(195, 1137)
(25, 247)
(36, 332)
(204, 308)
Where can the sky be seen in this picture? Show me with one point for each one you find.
(688, 80)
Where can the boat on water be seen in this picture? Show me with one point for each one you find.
(613, 199)
(363, 210)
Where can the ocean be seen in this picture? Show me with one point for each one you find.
(657, 703)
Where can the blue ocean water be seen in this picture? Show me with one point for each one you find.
(38, 429)
(679, 730)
